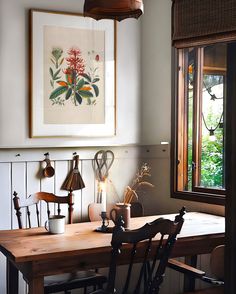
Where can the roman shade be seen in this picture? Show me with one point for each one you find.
(201, 22)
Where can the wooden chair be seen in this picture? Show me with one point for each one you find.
(136, 209)
(63, 282)
(152, 271)
(217, 270)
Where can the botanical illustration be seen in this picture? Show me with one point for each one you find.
(70, 78)
(74, 76)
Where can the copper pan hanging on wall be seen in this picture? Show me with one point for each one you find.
(113, 9)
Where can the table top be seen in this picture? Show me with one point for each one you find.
(37, 244)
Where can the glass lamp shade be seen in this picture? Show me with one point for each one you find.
(113, 9)
(212, 136)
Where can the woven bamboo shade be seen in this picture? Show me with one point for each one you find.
(113, 9)
(200, 22)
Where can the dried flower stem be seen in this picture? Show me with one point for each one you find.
(138, 182)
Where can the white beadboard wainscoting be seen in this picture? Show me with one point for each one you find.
(21, 171)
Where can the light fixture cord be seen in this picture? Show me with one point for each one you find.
(212, 128)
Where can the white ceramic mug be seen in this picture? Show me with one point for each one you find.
(55, 224)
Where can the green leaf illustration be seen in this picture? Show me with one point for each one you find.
(68, 93)
(51, 72)
(85, 94)
(58, 91)
(87, 77)
(96, 90)
(96, 80)
(80, 84)
(56, 73)
(51, 82)
(78, 98)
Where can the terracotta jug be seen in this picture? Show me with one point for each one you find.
(121, 209)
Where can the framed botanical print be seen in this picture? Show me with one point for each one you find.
(72, 75)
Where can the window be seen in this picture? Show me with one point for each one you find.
(199, 161)
(203, 35)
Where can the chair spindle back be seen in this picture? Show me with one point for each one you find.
(153, 253)
(34, 200)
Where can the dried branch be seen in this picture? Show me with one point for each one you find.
(138, 182)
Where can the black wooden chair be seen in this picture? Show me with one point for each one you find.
(153, 253)
(62, 282)
(136, 209)
(216, 282)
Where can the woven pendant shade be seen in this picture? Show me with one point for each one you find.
(113, 9)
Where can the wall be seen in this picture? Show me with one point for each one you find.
(14, 77)
(156, 102)
(156, 71)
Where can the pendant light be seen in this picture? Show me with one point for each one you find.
(113, 9)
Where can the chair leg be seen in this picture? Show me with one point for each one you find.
(85, 290)
(100, 286)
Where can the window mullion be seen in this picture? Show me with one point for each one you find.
(197, 119)
(181, 165)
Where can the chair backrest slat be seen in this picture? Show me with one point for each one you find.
(58, 209)
(48, 210)
(133, 252)
(150, 250)
(143, 267)
(28, 216)
(37, 214)
(157, 253)
(34, 200)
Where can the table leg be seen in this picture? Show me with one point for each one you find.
(189, 282)
(12, 278)
(36, 286)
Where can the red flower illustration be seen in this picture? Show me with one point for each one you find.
(97, 57)
(75, 62)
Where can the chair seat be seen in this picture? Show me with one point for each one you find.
(212, 290)
(69, 281)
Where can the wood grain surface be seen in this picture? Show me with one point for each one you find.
(38, 244)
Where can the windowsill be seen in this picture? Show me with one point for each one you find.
(199, 197)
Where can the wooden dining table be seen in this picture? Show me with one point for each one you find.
(37, 253)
